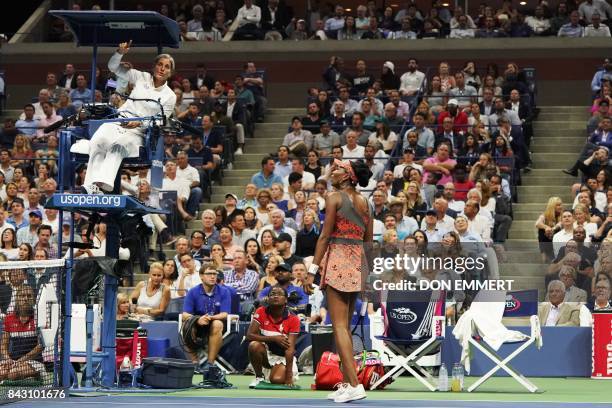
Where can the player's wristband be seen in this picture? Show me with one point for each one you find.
(313, 269)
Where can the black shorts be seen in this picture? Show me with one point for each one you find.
(200, 333)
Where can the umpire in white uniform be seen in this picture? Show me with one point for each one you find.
(115, 141)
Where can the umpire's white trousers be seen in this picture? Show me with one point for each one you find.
(107, 148)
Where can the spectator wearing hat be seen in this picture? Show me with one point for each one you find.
(407, 162)
(231, 203)
(30, 235)
(299, 32)
(325, 140)
(283, 244)
(284, 279)
(389, 79)
(460, 118)
(299, 140)
(430, 227)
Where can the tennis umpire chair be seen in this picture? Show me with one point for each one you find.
(413, 326)
(517, 304)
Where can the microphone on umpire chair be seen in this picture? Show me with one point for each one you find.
(56, 125)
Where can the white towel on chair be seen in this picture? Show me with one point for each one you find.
(487, 317)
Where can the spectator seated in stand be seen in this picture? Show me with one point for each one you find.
(151, 297)
(555, 312)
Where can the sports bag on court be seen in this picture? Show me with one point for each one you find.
(370, 369)
(328, 374)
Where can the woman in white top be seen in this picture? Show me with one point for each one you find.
(264, 197)
(151, 296)
(487, 201)
(583, 218)
(9, 244)
(171, 278)
(385, 136)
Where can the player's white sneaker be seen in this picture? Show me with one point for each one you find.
(351, 394)
(332, 395)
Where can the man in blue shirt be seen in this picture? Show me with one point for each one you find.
(266, 177)
(283, 277)
(205, 309)
(29, 125)
(81, 94)
(606, 72)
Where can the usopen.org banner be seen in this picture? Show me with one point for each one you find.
(89, 201)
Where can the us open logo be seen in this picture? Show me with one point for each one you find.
(403, 315)
(512, 303)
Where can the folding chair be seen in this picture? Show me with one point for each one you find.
(413, 326)
(517, 304)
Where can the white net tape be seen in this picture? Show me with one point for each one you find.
(49, 263)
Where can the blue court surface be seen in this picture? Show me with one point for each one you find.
(256, 402)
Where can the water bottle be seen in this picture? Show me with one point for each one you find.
(461, 375)
(443, 379)
(455, 384)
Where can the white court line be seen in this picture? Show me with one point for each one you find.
(273, 404)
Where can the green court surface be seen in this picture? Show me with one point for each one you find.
(577, 390)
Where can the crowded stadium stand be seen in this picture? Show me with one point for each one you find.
(474, 154)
